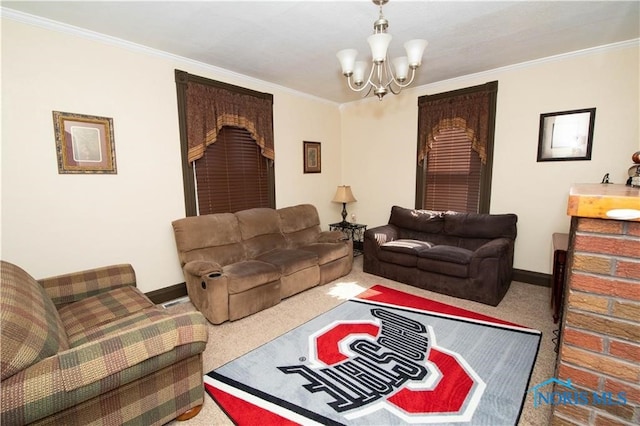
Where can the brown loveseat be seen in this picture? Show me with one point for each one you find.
(90, 348)
(464, 255)
(236, 264)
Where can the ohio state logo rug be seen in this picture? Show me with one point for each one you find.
(383, 358)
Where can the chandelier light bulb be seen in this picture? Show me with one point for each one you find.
(347, 58)
(379, 44)
(415, 50)
(383, 77)
(401, 66)
(358, 72)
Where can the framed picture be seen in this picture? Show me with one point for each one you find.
(312, 159)
(566, 135)
(84, 143)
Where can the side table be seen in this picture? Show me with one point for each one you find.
(352, 231)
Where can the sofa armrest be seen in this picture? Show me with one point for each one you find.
(69, 288)
(203, 268)
(494, 248)
(208, 289)
(493, 263)
(89, 370)
(331, 237)
(381, 234)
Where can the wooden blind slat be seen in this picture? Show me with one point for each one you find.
(453, 173)
(232, 175)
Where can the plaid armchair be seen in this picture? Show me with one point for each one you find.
(90, 348)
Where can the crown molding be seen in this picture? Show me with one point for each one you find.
(560, 57)
(52, 25)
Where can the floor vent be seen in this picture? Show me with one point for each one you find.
(170, 303)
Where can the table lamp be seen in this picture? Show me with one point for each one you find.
(344, 196)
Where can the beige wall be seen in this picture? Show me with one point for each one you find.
(379, 142)
(54, 223)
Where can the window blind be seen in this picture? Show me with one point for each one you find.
(452, 173)
(232, 175)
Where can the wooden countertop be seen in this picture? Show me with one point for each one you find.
(604, 201)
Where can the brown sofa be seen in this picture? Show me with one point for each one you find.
(463, 255)
(236, 264)
(89, 348)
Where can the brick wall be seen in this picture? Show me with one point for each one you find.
(600, 338)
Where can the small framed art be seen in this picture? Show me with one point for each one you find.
(566, 135)
(84, 143)
(312, 157)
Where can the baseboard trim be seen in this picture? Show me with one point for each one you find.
(529, 277)
(168, 293)
(177, 291)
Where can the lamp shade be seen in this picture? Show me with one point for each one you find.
(415, 50)
(347, 58)
(358, 72)
(344, 195)
(401, 66)
(379, 44)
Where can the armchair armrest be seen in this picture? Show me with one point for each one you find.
(96, 367)
(203, 268)
(71, 287)
(331, 237)
(132, 346)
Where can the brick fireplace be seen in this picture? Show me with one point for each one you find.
(599, 349)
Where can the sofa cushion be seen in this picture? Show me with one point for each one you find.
(213, 236)
(29, 322)
(446, 260)
(300, 224)
(448, 254)
(428, 221)
(443, 267)
(260, 231)
(403, 259)
(328, 252)
(81, 318)
(290, 261)
(403, 252)
(482, 226)
(243, 276)
(406, 246)
(136, 320)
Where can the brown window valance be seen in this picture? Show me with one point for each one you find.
(468, 111)
(210, 108)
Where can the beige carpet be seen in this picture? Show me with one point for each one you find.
(524, 304)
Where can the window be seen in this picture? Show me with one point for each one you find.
(452, 173)
(226, 140)
(455, 149)
(232, 175)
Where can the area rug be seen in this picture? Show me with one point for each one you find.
(384, 357)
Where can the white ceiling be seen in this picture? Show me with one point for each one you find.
(293, 43)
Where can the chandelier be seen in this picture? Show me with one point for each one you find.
(382, 78)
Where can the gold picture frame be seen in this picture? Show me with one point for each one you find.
(312, 157)
(84, 143)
